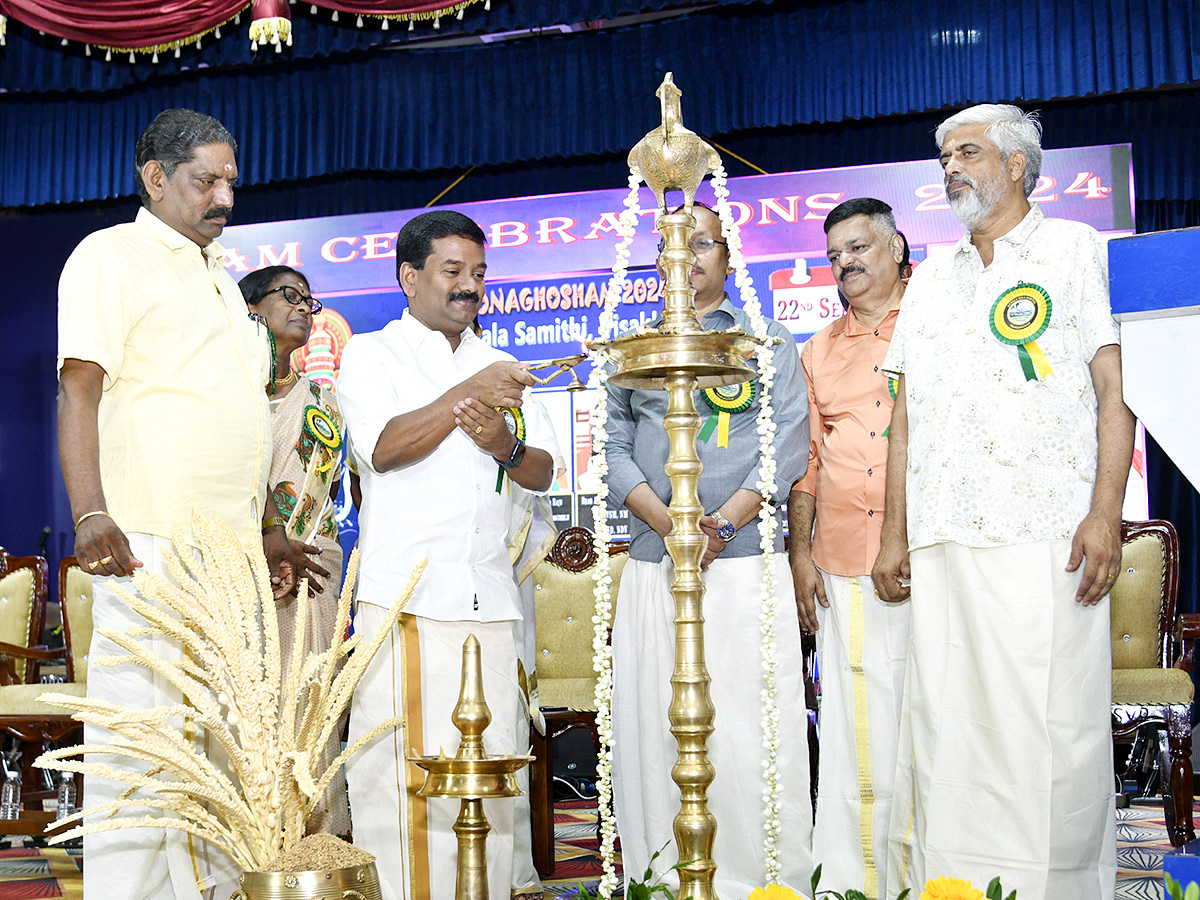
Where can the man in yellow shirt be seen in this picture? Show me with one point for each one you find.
(861, 640)
(162, 412)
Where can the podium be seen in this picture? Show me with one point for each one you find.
(1154, 284)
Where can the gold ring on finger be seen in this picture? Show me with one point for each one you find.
(92, 565)
(478, 429)
(106, 560)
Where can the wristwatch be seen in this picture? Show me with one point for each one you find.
(725, 529)
(518, 454)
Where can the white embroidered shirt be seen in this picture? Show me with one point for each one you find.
(995, 458)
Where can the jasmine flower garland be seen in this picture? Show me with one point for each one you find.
(603, 615)
(766, 524)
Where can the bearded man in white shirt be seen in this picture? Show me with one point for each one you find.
(434, 454)
(1010, 424)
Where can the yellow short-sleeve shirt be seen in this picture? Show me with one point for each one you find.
(184, 424)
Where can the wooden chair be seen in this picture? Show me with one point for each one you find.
(1153, 656)
(564, 603)
(34, 724)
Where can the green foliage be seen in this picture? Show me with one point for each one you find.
(995, 892)
(850, 894)
(1176, 891)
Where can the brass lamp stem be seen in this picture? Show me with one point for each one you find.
(691, 712)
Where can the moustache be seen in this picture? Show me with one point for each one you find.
(963, 179)
(846, 271)
(220, 212)
(464, 295)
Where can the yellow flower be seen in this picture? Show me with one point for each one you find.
(774, 892)
(944, 888)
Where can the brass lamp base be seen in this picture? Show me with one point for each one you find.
(472, 777)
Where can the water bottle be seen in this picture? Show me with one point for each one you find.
(66, 797)
(10, 798)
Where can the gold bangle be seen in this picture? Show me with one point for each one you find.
(272, 521)
(88, 515)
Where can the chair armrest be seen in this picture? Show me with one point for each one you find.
(9, 653)
(39, 652)
(1187, 632)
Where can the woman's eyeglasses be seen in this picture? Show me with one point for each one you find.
(296, 298)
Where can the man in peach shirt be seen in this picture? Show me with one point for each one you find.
(861, 640)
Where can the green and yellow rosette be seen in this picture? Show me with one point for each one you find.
(893, 389)
(514, 421)
(724, 401)
(319, 426)
(1018, 317)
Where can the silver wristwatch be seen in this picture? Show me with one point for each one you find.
(725, 529)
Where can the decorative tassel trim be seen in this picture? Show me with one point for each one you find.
(454, 9)
(274, 30)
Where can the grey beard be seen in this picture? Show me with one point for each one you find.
(975, 208)
(971, 209)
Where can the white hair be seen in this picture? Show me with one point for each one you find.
(1010, 129)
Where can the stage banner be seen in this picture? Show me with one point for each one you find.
(549, 258)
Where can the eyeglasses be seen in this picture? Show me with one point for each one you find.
(295, 298)
(699, 246)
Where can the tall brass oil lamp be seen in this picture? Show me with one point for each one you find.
(680, 357)
(472, 776)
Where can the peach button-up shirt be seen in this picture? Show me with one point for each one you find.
(850, 407)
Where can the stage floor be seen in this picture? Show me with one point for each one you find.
(28, 872)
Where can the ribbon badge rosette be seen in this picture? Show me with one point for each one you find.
(724, 401)
(1019, 317)
(893, 389)
(321, 429)
(514, 420)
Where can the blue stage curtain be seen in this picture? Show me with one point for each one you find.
(571, 96)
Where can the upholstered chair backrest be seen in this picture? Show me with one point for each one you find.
(1139, 598)
(565, 602)
(17, 596)
(75, 594)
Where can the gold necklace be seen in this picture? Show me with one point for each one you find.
(290, 378)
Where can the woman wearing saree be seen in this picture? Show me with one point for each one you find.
(306, 469)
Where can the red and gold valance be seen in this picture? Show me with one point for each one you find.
(152, 26)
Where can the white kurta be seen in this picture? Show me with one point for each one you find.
(862, 643)
(644, 750)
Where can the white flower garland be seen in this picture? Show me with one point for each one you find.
(602, 618)
(603, 615)
(766, 525)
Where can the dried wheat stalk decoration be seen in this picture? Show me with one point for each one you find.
(229, 678)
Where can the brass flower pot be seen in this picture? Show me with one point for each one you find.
(350, 883)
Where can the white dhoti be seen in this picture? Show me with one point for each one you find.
(418, 672)
(141, 863)
(862, 644)
(1005, 755)
(644, 750)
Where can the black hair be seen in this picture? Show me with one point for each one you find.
(172, 139)
(415, 241)
(862, 206)
(255, 285)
